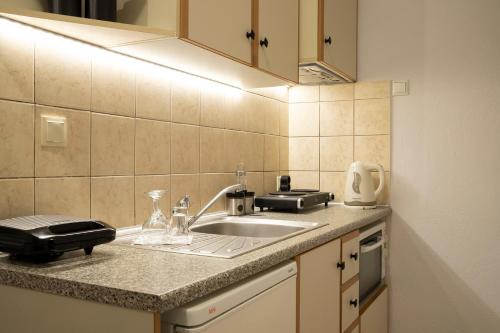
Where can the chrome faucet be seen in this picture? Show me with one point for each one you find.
(236, 187)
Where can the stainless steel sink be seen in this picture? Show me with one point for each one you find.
(247, 229)
(219, 235)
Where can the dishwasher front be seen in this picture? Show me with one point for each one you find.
(265, 303)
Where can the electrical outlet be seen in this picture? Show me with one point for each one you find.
(400, 88)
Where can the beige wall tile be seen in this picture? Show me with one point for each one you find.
(74, 158)
(253, 149)
(372, 116)
(236, 111)
(152, 147)
(185, 103)
(113, 84)
(271, 153)
(17, 67)
(304, 154)
(284, 153)
(333, 182)
(303, 94)
(304, 179)
(336, 92)
(256, 113)
(63, 73)
(112, 200)
(186, 184)
(374, 148)
(185, 148)
(112, 148)
(272, 117)
(64, 196)
(211, 184)
(235, 149)
(16, 197)
(304, 119)
(283, 119)
(212, 151)
(16, 139)
(143, 203)
(255, 182)
(153, 92)
(213, 108)
(336, 153)
(372, 89)
(270, 181)
(336, 118)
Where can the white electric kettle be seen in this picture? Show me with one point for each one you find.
(359, 191)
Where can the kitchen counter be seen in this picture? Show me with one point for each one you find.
(158, 281)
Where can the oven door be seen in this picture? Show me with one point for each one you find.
(372, 260)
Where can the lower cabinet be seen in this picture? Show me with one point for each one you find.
(328, 291)
(374, 316)
(318, 281)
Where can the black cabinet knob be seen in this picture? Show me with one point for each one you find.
(341, 265)
(251, 34)
(264, 42)
(354, 256)
(354, 303)
(328, 40)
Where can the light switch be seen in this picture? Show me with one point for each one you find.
(400, 88)
(54, 131)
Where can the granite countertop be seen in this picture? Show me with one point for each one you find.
(158, 281)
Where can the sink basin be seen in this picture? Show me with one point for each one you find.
(247, 229)
(219, 235)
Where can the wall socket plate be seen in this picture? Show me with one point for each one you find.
(54, 131)
(400, 88)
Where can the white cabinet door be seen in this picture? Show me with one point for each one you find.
(350, 256)
(222, 25)
(279, 37)
(374, 319)
(270, 312)
(340, 35)
(319, 283)
(350, 305)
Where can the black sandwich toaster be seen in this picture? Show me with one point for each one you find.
(49, 236)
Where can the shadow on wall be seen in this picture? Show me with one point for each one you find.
(423, 275)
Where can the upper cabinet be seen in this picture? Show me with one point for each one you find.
(340, 35)
(328, 40)
(221, 25)
(278, 32)
(244, 43)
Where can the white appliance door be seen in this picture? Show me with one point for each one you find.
(272, 311)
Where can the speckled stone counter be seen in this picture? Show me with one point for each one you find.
(159, 281)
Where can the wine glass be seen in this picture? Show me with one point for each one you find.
(156, 226)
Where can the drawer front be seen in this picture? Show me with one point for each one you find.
(350, 255)
(350, 305)
(375, 317)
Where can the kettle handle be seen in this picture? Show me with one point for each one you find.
(380, 169)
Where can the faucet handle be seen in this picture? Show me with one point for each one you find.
(184, 202)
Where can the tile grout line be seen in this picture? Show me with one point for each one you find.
(91, 127)
(34, 127)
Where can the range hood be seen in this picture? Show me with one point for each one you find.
(315, 73)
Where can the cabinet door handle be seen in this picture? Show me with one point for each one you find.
(251, 34)
(328, 40)
(264, 42)
(354, 256)
(354, 303)
(341, 265)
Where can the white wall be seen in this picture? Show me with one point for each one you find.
(445, 250)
